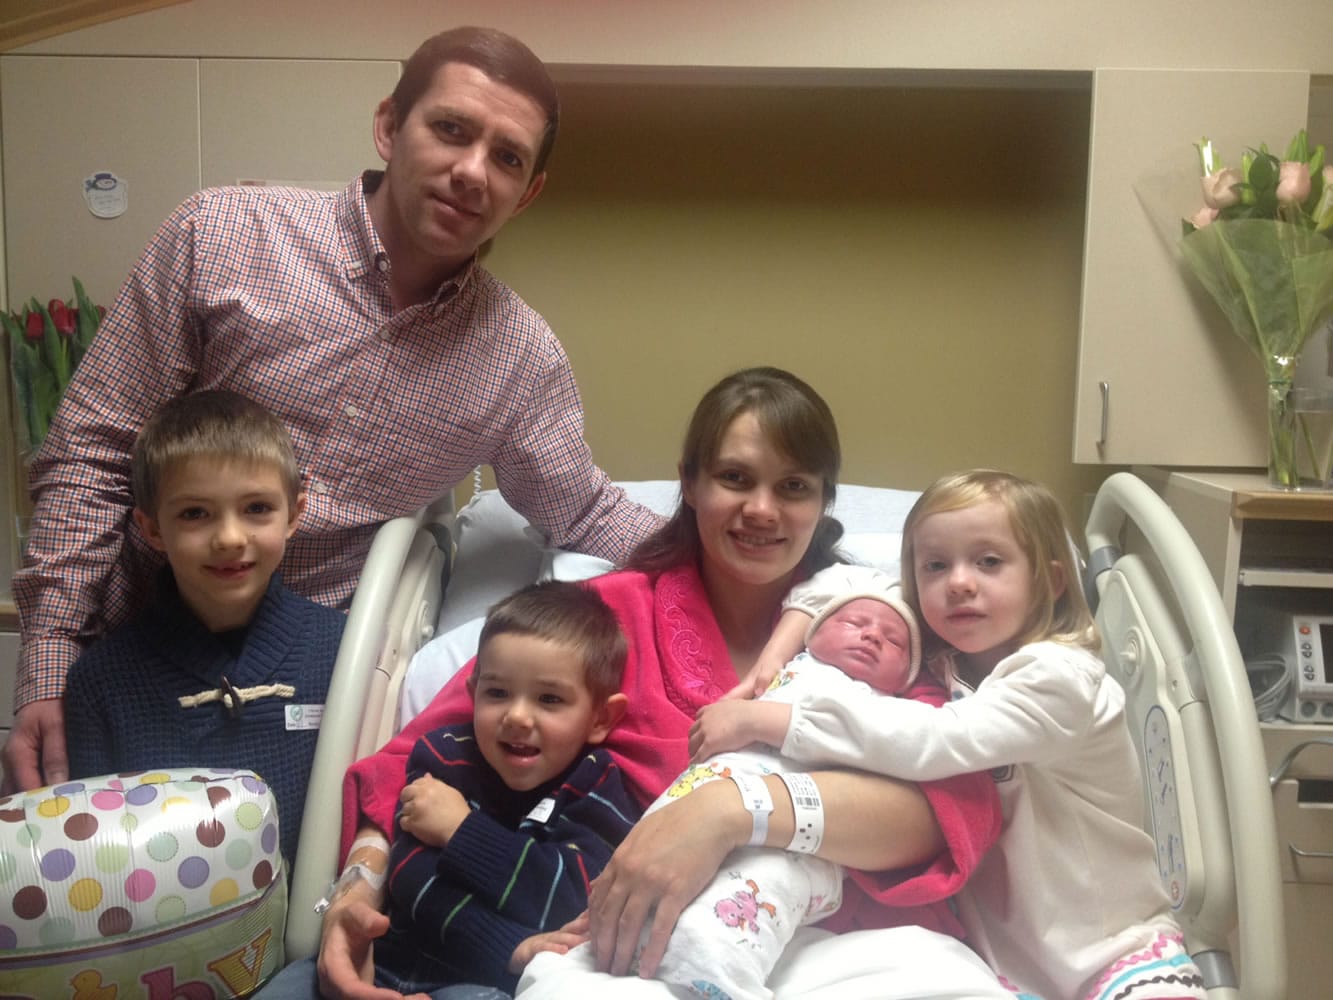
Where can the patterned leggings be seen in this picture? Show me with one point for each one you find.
(1161, 971)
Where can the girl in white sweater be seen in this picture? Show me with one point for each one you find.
(1068, 905)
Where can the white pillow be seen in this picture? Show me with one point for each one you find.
(498, 551)
(873, 509)
(432, 666)
(881, 549)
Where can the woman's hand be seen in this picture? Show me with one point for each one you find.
(346, 965)
(559, 941)
(661, 866)
(729, 725)
(432, 811)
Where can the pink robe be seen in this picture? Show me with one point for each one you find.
(678, 663)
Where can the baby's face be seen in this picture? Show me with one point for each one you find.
(868, 641)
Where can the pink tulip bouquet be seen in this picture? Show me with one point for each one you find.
(1262, 245)
(46, 344)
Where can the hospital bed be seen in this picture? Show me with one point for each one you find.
(1167, 640)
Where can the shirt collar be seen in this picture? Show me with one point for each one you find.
(366, 253)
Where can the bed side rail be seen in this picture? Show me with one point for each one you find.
(361, 695)
(1231, 766)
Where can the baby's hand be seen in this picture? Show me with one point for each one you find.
(787, 640)
(573, 933)
(730, 725)
(432, 811)
(758, 679)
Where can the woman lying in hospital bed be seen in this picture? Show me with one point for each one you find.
(758, 473)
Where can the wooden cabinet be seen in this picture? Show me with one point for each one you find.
(1154, 351)
(166, 127)
(1268, 547)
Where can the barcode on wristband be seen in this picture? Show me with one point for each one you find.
(808, 809)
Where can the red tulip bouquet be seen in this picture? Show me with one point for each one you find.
(46, 344)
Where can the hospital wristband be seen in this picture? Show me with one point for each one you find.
(809, 811)
(758, 802)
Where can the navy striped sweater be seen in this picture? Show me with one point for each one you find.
(458, 912)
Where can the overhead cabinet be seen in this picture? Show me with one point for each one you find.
(1162, 379)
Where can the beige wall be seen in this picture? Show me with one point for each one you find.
(914, 254)
(907, 240)
(913, 34)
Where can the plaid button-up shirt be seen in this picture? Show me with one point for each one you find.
(283, 295)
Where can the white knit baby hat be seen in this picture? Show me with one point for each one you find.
(892, 595)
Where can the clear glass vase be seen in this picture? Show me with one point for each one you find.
(1300, 437)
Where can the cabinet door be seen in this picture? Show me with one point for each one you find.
(300, 121)
(67, 118)
(1181, 388)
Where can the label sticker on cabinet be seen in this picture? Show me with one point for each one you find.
(107, 195)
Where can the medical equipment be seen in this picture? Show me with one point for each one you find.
(1303, 641)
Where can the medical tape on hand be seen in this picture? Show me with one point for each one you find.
(374, 840)
(758, 802)
(809, 810)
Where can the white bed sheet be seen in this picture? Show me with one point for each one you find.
(898, 963)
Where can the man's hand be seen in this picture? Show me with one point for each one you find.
(729, 725)
(34, 754)
(432, 811)
(559, 941)
(665, 862)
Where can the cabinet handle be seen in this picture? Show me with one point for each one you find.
(1277, 774)
(1280, 769)
(1105, 387)
(1316, 855)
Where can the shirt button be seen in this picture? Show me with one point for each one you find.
(351, 411)
(386, 334)
(382, 263)
(319, 487)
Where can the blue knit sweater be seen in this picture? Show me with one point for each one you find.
(511, 869)
(122, 711)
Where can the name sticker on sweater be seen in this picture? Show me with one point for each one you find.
(541, 812)
(301, 717)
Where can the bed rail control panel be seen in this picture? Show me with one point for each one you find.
(1305, 642)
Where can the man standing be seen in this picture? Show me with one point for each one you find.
(364, 321)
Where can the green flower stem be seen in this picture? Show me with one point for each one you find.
(1281, 436)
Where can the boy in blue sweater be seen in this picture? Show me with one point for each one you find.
(225, 667)
(505, 821)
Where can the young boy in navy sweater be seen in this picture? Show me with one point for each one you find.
(506, 820)
(226, 667)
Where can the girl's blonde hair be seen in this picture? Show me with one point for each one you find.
(1042, 532)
